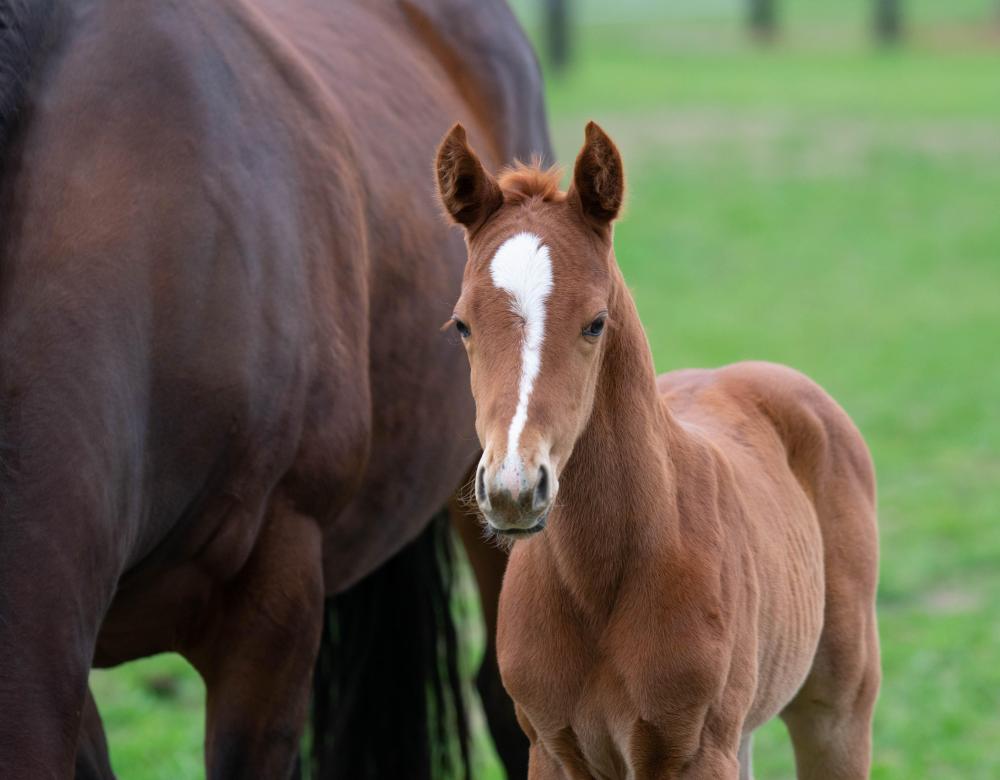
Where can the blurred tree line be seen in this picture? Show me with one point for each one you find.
(887, 19)
(762, 21)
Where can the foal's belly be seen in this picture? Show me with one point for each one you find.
(790, 617)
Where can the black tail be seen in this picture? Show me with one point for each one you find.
(387, 695)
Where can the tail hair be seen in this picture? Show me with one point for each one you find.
(387, 693)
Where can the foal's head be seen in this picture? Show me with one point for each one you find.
(532, 314)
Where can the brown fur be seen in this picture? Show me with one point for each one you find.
(711, 557)
(223, 396)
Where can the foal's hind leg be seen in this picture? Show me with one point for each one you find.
(258, 652)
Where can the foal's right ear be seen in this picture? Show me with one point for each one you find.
(468, 193)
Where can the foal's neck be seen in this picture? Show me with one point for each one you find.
(618, 487)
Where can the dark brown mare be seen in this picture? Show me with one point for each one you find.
(695, 554)
(224, 397)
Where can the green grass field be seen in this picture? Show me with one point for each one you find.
(825, 205)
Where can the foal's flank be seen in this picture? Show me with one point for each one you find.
(696, 553)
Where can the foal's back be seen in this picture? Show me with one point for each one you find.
(779, 434)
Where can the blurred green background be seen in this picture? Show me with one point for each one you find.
(821, 201)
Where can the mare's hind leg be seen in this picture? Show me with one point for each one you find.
(257, 652)
(488, 564)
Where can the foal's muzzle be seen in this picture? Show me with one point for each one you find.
(515, 499)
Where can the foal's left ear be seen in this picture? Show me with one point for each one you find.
(468, 192)
(598, 178)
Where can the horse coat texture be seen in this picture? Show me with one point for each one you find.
(224, 397)
(692, 554)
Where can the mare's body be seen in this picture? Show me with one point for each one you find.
(692, 555)
(223, 394)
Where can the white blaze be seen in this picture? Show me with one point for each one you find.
(522, 268)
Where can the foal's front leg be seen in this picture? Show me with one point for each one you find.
(542, 766)
(713, 764)
(258, 652)
(718, 754)
(690, 749)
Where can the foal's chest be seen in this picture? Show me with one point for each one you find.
(594, 702)
(600, 728)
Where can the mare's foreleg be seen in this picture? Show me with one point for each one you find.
(257, 651)
(57, 576)
(92, 761)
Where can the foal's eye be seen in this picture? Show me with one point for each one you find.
(462, 328)
(594, 329)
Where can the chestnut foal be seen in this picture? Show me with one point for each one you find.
(696, 553)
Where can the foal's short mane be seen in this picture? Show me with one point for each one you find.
(522, 182)
(23, 25)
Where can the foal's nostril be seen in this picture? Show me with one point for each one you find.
(481, 485)
(541, 497)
